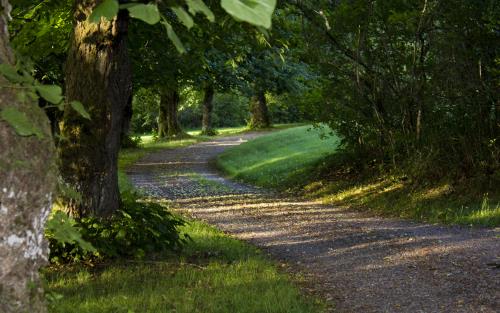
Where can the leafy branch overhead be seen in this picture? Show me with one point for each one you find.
(30, 87)
(255, 12)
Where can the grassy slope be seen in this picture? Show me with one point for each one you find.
(214, 273)
(295, 157)
(280, 159)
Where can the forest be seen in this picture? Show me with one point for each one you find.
(249, 156)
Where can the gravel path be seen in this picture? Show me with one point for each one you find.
(358, 263)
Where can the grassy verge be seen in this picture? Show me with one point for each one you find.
(297, 158)
(214, 273)
(279, 160)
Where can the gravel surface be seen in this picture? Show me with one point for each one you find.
(356, 262)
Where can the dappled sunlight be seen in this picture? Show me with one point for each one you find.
(340, 247)
(433, 193)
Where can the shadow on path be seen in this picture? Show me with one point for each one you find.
(359, 263)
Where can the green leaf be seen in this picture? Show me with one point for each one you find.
(145, 12)
(107, 9)
(20, 122)
(184, 16)
(62, 228)
(78, 107)
(10, 73)
(51, 93)
(196, 6)
(173, 37)
(256, 12)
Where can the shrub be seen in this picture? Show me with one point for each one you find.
(133, 231)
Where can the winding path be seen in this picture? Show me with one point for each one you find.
(358, 263)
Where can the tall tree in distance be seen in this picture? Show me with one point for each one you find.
(208, 107)
(168, 122)
(98, 74)
(27, 181)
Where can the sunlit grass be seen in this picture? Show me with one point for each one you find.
(278, 159)
(292, 158)
(214, 273)
(438, 203)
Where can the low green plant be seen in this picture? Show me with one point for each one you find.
(136, 229)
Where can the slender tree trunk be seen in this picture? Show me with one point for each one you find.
(258, 109)
(206, 123)
(27, 180)
(98, 75)
(168, 123)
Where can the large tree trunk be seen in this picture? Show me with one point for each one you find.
(98, 74)
(168, 123)
(258, 109)
(27, 180)
(206, 123)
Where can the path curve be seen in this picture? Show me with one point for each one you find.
(358, 263)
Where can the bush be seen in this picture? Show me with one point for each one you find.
(130, 141)
(133, 231)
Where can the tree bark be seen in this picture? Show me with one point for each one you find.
(168, 123)
(206, 123)
(98, 74)
(260, 113)
(27, 180)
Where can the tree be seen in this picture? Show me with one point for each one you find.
(409, 81)
(206, 123)
(27, 181)
(27, 171)
(98, 74)
(168, 122)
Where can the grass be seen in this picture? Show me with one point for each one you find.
(149, 144)
(214, 273)
(297, 158)
(279, 160)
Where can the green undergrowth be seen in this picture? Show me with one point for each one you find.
(397, 196)
(213, 273)
(297, 159)
(281, 159)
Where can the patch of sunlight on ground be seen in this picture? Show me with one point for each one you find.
(213, 274)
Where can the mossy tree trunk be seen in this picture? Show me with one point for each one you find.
(27, 180)
(168, 122)
(98, 74)
(260, 114)
(206, 123)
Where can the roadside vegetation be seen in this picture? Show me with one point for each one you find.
(211, 272)
(298, 159)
